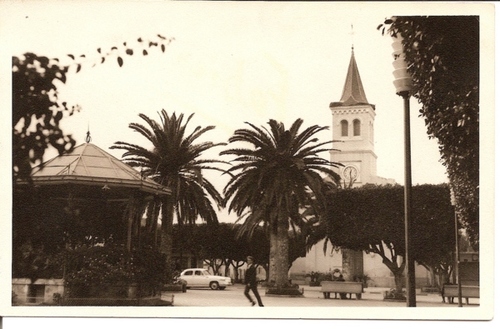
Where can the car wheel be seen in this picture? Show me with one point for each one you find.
(214, 285)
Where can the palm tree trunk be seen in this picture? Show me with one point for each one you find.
(352, 264)
(278, 255)
(167, 225)
(152, 216)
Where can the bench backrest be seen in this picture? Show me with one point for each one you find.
(467, 291)
(342, 286)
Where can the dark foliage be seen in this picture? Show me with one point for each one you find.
(371, 219)
(112, 265)
(442, 53)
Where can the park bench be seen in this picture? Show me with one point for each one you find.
(342, 288)
(451, 290)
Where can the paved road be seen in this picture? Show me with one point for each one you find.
(233, 296)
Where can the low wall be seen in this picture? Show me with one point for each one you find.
(41, 292)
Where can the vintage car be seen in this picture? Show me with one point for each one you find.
(201, 278)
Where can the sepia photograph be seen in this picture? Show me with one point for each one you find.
(248, 160)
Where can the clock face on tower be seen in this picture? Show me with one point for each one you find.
(350, 172)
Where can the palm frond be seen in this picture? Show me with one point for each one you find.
(175, 161)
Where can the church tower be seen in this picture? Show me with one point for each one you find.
(353, 127)
(352, 124)
(353, 118)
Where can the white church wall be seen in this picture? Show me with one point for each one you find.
(378, 274)
(315, 261)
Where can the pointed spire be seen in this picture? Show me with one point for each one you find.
(353, 92)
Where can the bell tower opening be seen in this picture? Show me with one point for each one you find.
(356, 126)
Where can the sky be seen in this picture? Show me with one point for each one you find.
(229, 63)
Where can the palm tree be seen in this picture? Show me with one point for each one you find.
(174, 161)
(274, 180)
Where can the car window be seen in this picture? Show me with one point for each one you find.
(188, 273)
(197, 273)
(205, 272)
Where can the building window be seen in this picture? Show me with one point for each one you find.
(357, 127)
(343, 128)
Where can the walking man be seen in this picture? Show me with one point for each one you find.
(251, 281)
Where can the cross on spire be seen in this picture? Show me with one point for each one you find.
(352, 37)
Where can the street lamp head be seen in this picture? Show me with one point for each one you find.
(402, 79)
(452, 197)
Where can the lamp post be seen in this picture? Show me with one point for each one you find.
(403, 84)
(457, 249)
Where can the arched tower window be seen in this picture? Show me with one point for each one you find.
(344, 128)
(356, 127)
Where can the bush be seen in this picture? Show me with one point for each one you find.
(362, 278)
(35, 263)
(394, 294)
(288, 289)
(57, 298)
(317, 277)
(285, 291)
(113, 265)
(176, 285)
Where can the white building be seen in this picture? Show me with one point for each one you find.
(353, 123)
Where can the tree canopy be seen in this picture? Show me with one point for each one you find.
(442, 53)
(223, 245)
(175, 160)
(36, 107)
(36, 111)
(273, 179)
(371, 218)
